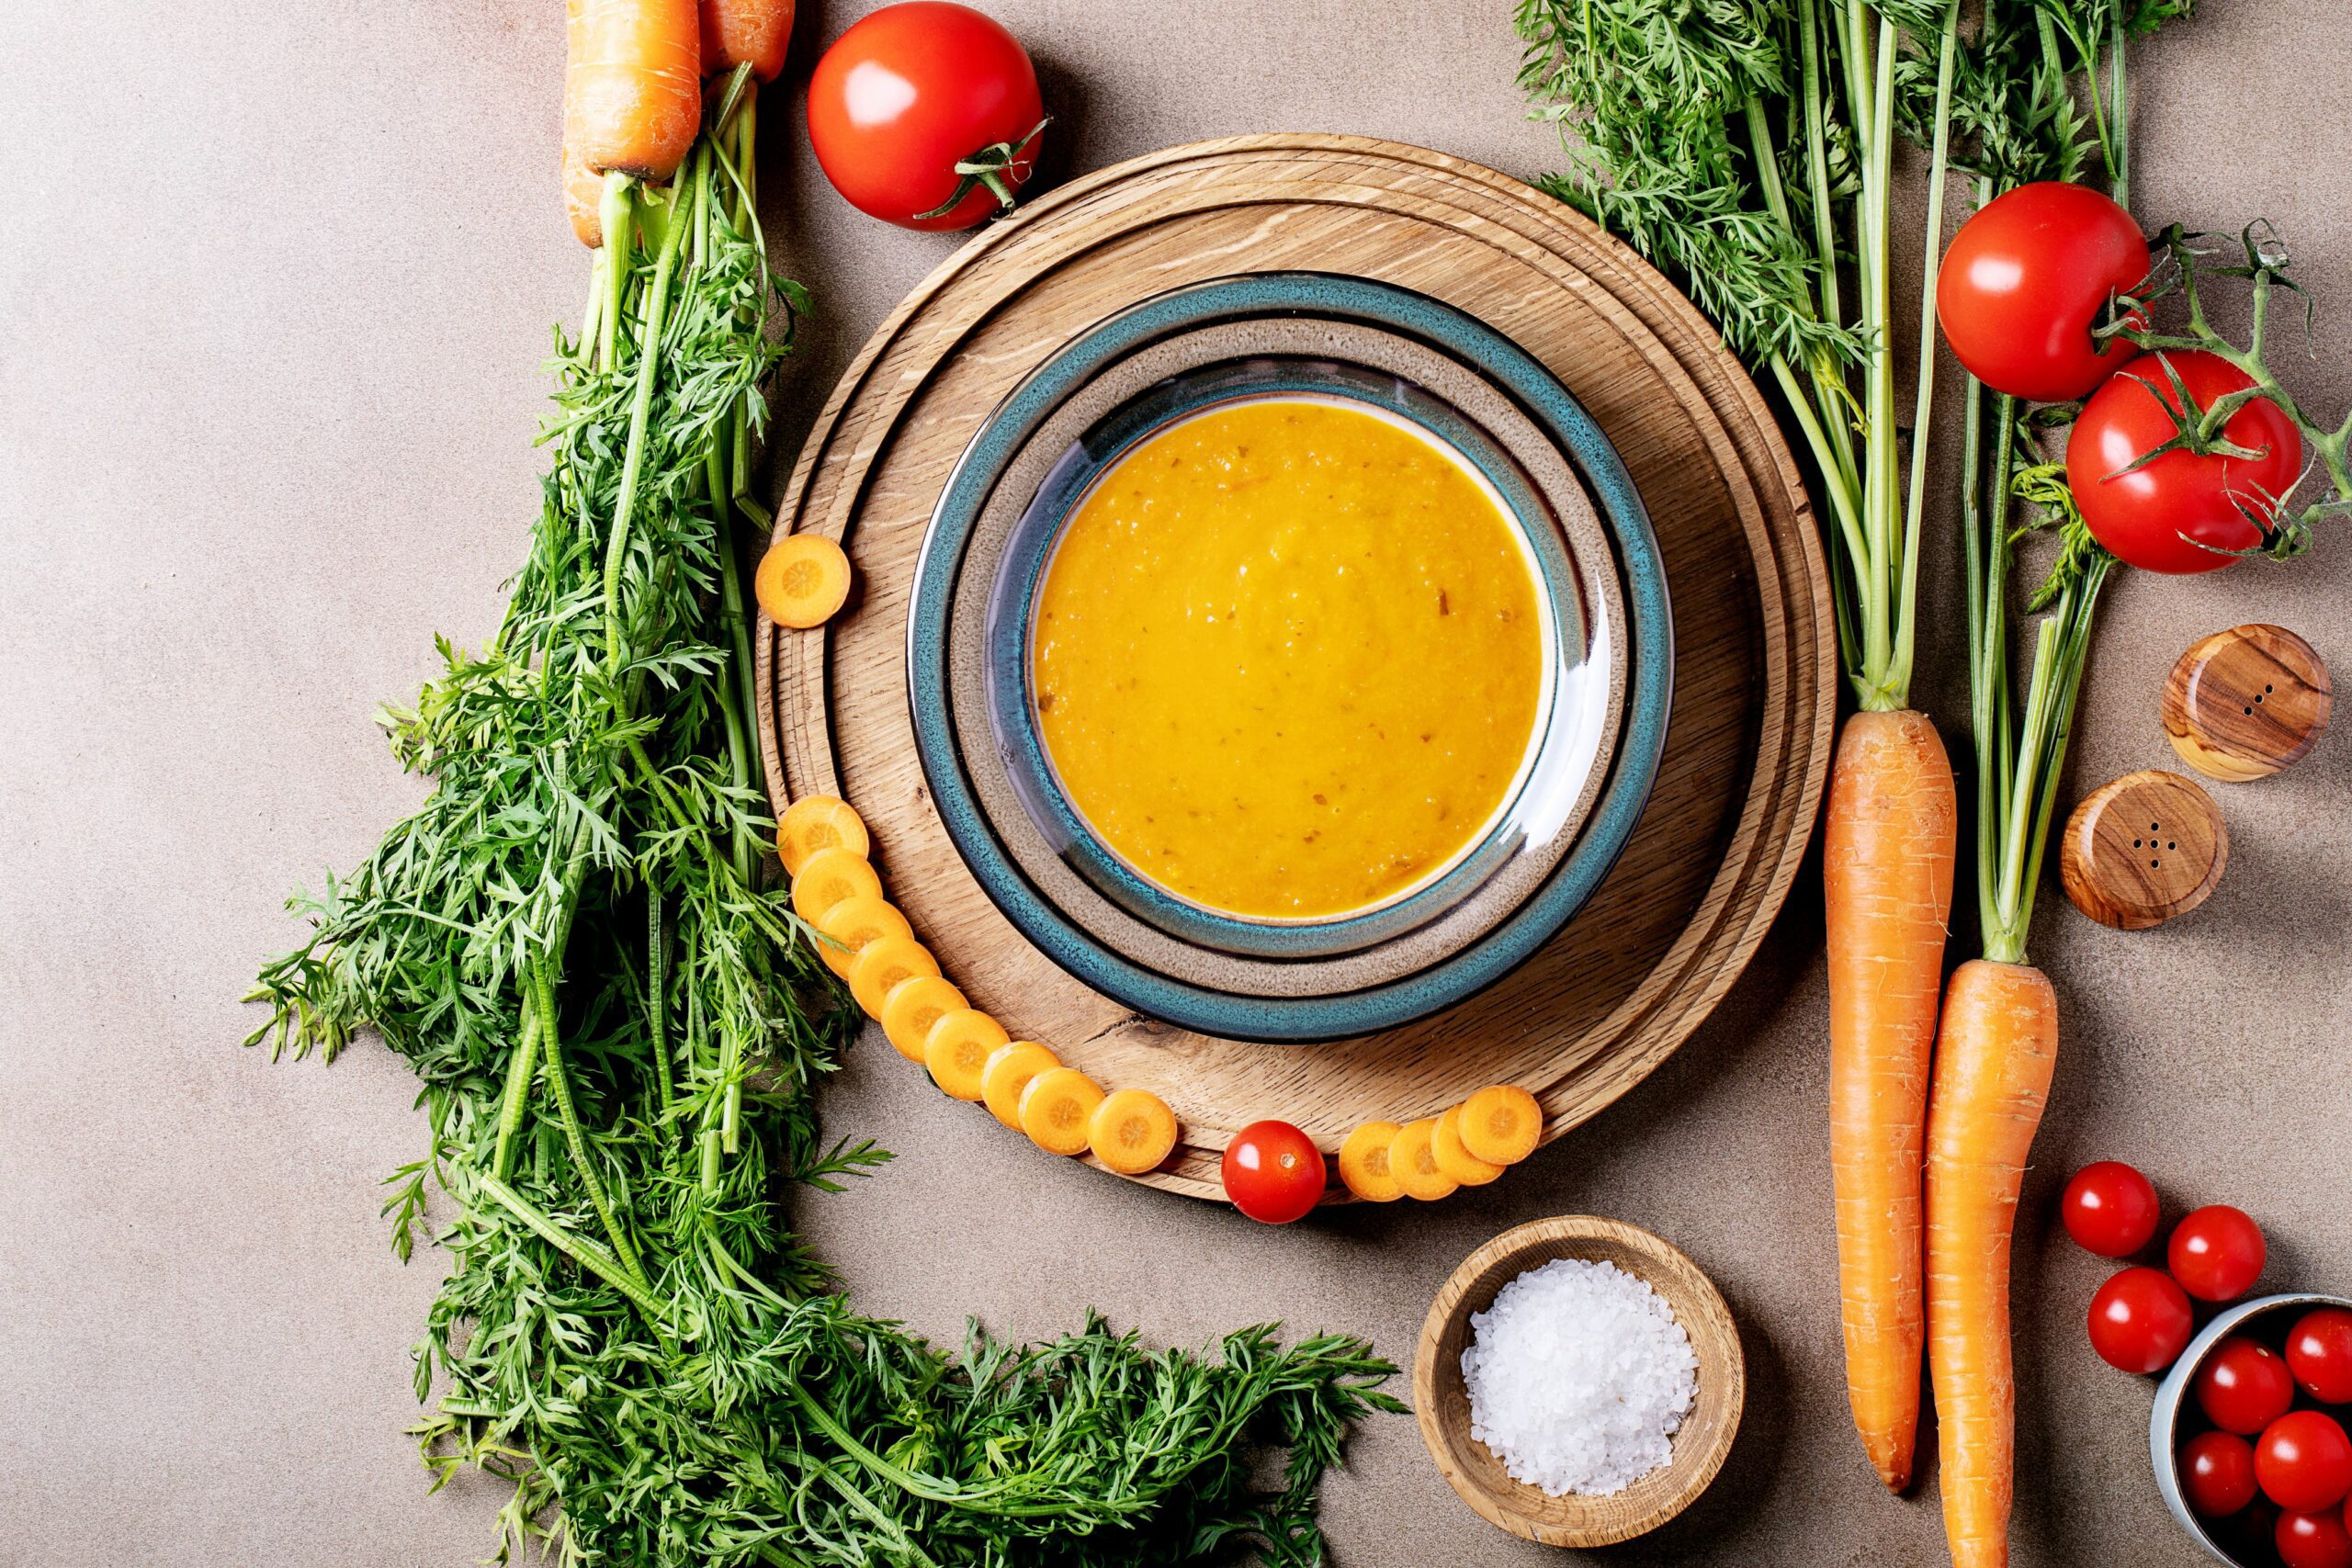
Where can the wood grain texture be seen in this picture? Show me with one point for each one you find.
(1442, 1401)
(2144, 849)
(2245, 703)
(1747, 749)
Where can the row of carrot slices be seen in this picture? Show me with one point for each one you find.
(823, 844)
(1468, 1146)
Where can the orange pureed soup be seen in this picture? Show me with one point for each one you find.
(1287, 658)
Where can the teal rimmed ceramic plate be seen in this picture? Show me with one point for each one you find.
(1602, 714)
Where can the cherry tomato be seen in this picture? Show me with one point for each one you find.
(2216, 1253)
(1274, 1172)
(2140, 1321)
(2243, 1386)
(2304, 1461)
(2314, 1541)
(2319, 1352)
(2027, 278)
(2185, 511)
(2217, 1474)
(2109, 1209)
(908, 93)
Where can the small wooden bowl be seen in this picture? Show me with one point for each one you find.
(1443, 1404)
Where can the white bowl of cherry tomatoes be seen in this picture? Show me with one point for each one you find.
(2248, 1433)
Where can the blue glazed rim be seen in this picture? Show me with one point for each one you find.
(1557, 758)
(1650, 657)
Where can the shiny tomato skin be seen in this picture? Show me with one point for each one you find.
(2109, 1209)
(907, 92)
(2025, 280)
(2319, 1352)
(2216, 1253)
(2141, 1321)
(2312, 1541)
(1274, 1172)
(2243, 1386)
(2182, 512)
(2217, 1474)
(2304, 1461)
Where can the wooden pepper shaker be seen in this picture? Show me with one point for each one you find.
(2245, 703)
(2139, 850)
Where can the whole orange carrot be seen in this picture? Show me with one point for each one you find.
(1993, 1057)
(745, 32)
(1887, 871)
(633, 84)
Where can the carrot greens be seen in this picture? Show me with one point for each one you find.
(1747, 147)
(619, 1026)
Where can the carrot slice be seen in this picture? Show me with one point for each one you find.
(1133, 1131)
(828, 876)
(881, 965)
(854, 923)
(745, 32)
(633, 80)
(1057, 1110)
(914, 1004)
(1457, 1162)
(1501, 1124)
(1363, 1163)
(958, 1048)
(816, 822)
(1412, 1160)
(803, 580)
(1007, 1073)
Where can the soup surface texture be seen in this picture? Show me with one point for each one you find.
(1287, 658)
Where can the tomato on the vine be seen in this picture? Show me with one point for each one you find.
(1274, 1172)
(2184, 511)
(2109, 1209)
(2217, 1253)
(2304, 1461)
(2140, 1321)
(925, 114)
(2243, 1386)
(2319, 1352)
(2217, 1474)
(2027, 278)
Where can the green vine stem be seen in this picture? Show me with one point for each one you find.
(2267, 267)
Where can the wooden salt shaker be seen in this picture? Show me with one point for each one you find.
(2245, 703)
(2139, 850)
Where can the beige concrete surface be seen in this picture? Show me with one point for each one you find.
(275, 287)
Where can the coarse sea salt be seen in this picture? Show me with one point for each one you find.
(1578, 1377)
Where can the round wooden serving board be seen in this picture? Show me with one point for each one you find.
(1755, 673)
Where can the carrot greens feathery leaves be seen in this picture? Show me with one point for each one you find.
(2020, 102)
(619, 1027)
(1747, 147)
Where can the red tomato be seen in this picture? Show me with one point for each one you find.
(2217, 1474)
(1274, 1172)
(2185, 511)
(2025, 281)
(2314, 1541)
(2109, 1209)
(2140, 1321)
(2304, 1461)
(909, 91)
(2243, 1386)
(2216, 1253)
(2319, 1352)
